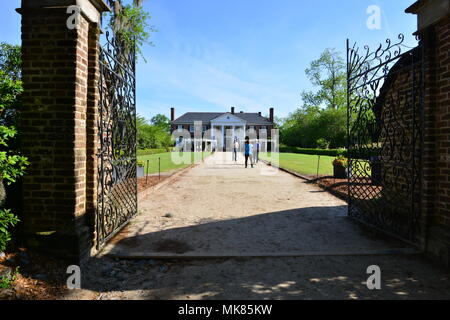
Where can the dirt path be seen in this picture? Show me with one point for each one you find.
(219, 209)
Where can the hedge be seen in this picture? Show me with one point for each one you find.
(357, 153)
(147, 152)
(319, 152)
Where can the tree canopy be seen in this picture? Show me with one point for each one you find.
(321, 121)
(12, 164)
(130, 23)
(327, 74)
(153, 134)
(162, 122)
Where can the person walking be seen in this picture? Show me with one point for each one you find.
(235, 149)
(256, 153)
(248, 152)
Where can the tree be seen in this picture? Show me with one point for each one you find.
(10, 60)
(161, 121)
(327, 73)
(12, 164)
(321, 121)
(313, 127)
(152, 136)
(130, 24)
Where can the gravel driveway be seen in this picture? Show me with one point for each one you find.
(220, 231)
(221, 209)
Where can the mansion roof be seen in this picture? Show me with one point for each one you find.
(207, 117)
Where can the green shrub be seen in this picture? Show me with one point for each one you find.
(341, 161)
(356, 153)
(7, 281)
(153, 135)
(310, 151)
(12, 164)
(322, 143)
(7, 219)
(140, 163)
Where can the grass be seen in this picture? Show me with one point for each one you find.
(166, 161)
(304, 163)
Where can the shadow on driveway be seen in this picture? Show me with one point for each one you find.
(303, 231)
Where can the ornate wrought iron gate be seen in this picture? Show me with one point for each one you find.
(384, 97)
(117, 182)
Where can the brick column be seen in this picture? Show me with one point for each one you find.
(58, 125)
(92, 142)
(434, 32)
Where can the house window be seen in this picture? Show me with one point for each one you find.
(191, 128)
(180, 127)
(251, 127)
(263, 128)
(204, 128)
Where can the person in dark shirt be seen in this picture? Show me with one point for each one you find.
(248, 152)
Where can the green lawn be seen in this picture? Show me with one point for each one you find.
(166, 161)
(304, 163)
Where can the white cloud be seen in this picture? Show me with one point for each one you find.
(202, 72)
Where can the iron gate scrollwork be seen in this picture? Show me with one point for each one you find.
(117, 181)
(384, 96)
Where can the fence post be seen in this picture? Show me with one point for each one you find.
(159, 168)
(146, 173)
(318, 165)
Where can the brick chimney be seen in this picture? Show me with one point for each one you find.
(232, 110)
(172, 114)
(271, 114)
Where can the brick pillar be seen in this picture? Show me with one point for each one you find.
(58, 125)
(434, 33)
(92, 117)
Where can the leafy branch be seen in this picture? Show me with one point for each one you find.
(130, 24)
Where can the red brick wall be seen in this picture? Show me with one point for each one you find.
(436, 150)
(54, 130)
(92, 142)
(442, 92)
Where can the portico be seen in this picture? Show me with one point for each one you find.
(226, 128)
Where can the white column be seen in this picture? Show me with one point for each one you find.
(213, 136)
(223, 136)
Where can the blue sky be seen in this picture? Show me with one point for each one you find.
(210, 55)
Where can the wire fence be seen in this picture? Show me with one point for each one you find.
(304, 164)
